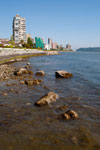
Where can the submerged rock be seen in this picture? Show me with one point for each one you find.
(4, 94)
(40, 73)
(47, 99)
(64, 107)
(32, 82)
(29, 82)
(70, 114)
(63, 74)
(22, 82)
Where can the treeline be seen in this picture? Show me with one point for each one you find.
(89, 49)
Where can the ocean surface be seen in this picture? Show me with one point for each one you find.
(85, 67)
(24, 126)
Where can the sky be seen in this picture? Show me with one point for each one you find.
(76, 22)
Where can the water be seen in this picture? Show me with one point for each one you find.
(28, 127)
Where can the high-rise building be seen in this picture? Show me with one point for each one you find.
(54, 45)
(19, 29)
(50, 43)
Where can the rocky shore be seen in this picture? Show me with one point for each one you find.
(34, 113)
(25, 76)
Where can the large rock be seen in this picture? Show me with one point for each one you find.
(47, 99)
(70, 114)
(21, 71)
(63, 74)
(40, 73)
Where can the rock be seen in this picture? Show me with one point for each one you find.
(29, 82)
(33, 82)
(4, 94)
(22, 82)
(70, 114)
(63, 74)
(30, 72)
(64, 107)
(47, 99)
(36, 82)
(11, 90)
(21, 71)
(40, 73)
(28, 63)
(74, 140)
(28, 104)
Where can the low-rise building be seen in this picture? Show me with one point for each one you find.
(68, 46)
(4, 42)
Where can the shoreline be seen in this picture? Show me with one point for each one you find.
(9, 55)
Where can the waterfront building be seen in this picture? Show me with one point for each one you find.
(46, 46)
(49, 43)
(68, 46)
(60, 47)
(39, 43)
(54, 45)
(19, 29)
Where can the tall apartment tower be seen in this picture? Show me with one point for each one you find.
(50, 43)
(19, 29)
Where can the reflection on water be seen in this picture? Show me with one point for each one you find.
(24, 126)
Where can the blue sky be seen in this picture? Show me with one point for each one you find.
(76, 22)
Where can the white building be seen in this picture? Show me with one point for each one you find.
(46, 47)
(19, 29)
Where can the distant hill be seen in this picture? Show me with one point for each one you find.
(89, 49)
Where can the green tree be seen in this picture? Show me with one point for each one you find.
(29, 42)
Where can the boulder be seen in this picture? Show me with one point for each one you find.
(29, 82)
(4, 94)
(40, 73)
(28, 63)
(70, 114)
(63, 74)
(47, 99)
(21, 71)
(36, 82)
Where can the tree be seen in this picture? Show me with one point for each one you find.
(22, 41)
(11, 42)
(29, 42)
